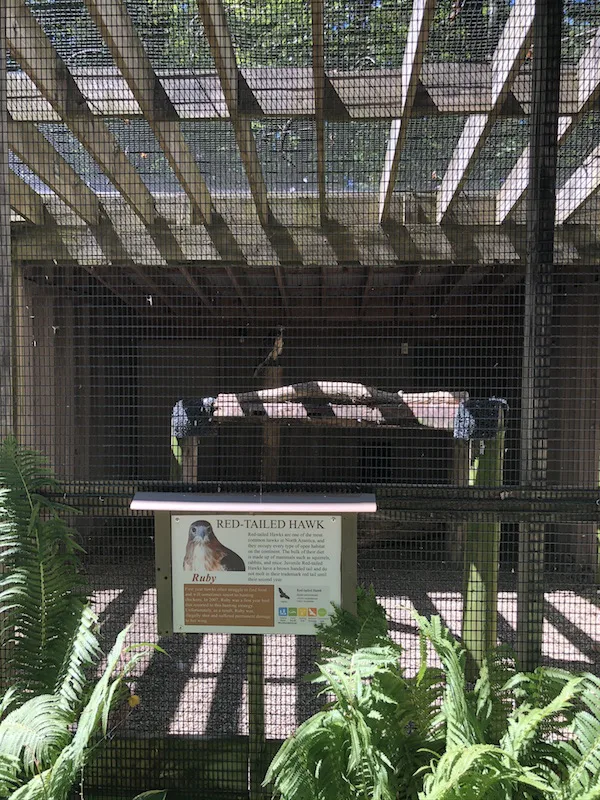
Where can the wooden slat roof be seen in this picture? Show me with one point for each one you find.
(253, 167)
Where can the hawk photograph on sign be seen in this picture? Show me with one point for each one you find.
(253, 573)
(205, 552)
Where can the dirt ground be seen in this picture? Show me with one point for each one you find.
(199, 688)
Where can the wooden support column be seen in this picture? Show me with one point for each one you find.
(273, 378)
(482, 560)
(574, 441)
(537, 342)
(461, 463)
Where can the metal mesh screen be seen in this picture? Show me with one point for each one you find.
(405, 195)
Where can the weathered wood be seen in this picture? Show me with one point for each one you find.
(574, 436)
(269, 473)
(118, 31)
(482, 562)
(217, 33)
(538, 331)
(24, 200)
(461, 462)
(580, 187)
(340, 403)
(507, 60)
(35, 150)
(414, 52)
(448, 88)
(33, 50)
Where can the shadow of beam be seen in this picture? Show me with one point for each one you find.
(226, 704)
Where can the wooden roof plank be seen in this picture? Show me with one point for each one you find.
(418, 32)
(217, 33)
(515, 186)
(34, 150)
(31, 47)
(119, 33)
(461, 88)
(580, 186)
(24, 200)
(507, 60)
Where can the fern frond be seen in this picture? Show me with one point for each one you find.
(56, 781)
(526, 740)
(581, 750)
(458, 707)
(347, 632)
(42, 597)
(475, 772)
(493, 701)
(35, 732)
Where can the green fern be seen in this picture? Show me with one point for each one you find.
(512, 736)
(48, 637)
(360, 745)
(48, 631)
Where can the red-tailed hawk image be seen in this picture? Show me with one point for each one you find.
(205, 553)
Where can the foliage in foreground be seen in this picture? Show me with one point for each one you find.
(432, 737)
(48, 640)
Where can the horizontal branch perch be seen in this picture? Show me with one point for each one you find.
(335, 391)
(342, 403)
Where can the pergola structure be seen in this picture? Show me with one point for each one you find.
(224, 215)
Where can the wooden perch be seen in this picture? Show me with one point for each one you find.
(341, 403)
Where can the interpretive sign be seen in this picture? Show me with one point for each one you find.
(253, 564)
(266, 573)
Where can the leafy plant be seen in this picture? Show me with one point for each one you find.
(48, 640)
(509, 736)
(359, 744)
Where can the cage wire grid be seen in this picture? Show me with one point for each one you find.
(407, 194)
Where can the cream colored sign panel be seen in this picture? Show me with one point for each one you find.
(255, 573)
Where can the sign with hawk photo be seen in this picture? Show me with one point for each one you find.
(254, 573)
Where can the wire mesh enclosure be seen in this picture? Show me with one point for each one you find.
(296, 245)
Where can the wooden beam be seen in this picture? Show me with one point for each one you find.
(507, 60)
(34, 150)
(24, 200)
(515, 185)
(445, 88)
(52, 169)
(230, 272)
(414, 52)
(195, 288)
(217, 33)
(579, 187)
(318, 66)
(588, 71)
(119, 33)
(33, 50)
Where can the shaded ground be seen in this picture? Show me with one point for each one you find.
(199, 689)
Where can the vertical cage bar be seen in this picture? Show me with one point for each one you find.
(6, 355)
(541, 202)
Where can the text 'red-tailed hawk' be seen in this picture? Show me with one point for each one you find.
(205, 553)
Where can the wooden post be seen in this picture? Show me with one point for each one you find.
(273, 378)
(574, 438)
(537, 339)
(482, 557)
(461, 463)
